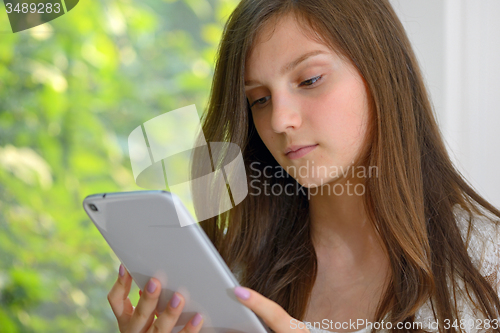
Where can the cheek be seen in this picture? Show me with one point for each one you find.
(262, 124)
(342, 116)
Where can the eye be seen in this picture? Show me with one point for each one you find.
(309, 83)
(260, 101)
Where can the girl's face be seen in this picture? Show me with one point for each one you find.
(302, 94)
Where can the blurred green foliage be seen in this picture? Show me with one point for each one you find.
(71, 91)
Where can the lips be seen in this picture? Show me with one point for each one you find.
(294, 152)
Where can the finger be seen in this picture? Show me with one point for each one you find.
(168, 318)
(271, 313)
(194, 325)
(140, 294)
(144, 311)
(118, 297)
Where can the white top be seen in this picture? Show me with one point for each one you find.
(484, 250)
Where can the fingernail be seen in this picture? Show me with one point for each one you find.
(174, 301)
(151, 287)
(242, 293)
(121, 270)
(196, 320)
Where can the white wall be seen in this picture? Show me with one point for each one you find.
(457, 43)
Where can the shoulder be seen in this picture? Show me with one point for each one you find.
(481, 234)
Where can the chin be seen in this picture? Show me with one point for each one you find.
(312, 175)
(313, 182)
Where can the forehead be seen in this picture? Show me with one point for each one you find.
(280, 40)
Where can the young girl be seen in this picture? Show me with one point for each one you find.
(371, 223)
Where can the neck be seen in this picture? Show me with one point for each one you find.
(340, 223)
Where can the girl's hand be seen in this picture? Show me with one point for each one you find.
(271, 313)
(142, 318)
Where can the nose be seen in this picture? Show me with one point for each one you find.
(285, 114)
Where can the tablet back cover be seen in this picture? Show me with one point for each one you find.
(144, 231)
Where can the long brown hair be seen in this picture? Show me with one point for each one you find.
(410, 203)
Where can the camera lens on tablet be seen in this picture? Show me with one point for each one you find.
(93, 207)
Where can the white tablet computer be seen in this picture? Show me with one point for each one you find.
(144, 231)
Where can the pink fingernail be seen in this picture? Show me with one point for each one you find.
(196, 320)
(121, 270)
(174, 301)
(242, 293)
(151, 287)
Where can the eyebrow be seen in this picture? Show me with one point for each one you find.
(287, 68)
